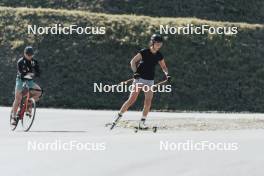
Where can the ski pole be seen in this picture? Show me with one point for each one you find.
(127, 81)
(161, 82)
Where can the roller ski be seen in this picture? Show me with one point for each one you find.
(142, 127)
(114, 123)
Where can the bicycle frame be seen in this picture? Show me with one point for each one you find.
(25, 106)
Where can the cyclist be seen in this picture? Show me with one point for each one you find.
(27, 68)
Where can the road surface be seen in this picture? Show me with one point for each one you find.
(76, 142)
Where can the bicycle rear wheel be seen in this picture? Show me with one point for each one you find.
(28, 119)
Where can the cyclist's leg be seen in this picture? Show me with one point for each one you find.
(35, 94)
(18, 96)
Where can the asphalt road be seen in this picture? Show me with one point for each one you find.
(75, 142)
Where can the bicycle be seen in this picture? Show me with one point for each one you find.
(27, 103)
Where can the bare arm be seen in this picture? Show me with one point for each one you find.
(135, 61)
(164, 67)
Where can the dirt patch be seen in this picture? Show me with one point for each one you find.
(199, 124)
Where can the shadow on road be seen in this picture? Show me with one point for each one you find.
(57, 131)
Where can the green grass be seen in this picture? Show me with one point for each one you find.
(211, 72)
(220, 10)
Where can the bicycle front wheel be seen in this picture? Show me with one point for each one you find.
(28, 119)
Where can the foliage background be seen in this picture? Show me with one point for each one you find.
(211, 72)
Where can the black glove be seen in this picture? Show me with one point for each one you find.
(168, 77)
(136, 75)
